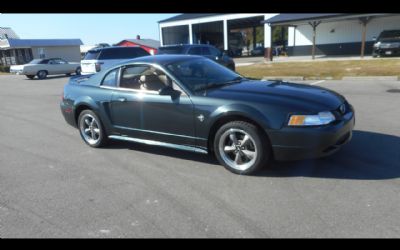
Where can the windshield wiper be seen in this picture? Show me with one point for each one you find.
(220, 84)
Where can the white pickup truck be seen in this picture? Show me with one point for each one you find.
(43, 67)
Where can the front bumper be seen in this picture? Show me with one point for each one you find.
(386, 51)
(17, 71)
(311, 142)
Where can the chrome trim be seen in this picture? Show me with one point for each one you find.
(160, 133)
(181, 86)
(158, 143)
(130, 90)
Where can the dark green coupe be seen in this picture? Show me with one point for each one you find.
(192, 103)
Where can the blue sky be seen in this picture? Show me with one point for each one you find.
(90, 28)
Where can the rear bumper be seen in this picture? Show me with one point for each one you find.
(308, 143)
(68, 114)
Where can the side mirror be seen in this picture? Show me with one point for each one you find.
(168, 90)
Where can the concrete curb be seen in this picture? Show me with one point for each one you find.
(370, 78)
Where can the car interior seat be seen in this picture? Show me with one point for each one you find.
(151, 82)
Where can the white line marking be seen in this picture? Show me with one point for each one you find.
(315, 83)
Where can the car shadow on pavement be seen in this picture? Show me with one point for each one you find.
(368, 156)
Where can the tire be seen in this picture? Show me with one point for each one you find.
(244, 159)
(78, 71)
(231, 67)
(86, 127)
(30, 76)
(42, 74)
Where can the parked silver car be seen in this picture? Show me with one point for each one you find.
(43, 67)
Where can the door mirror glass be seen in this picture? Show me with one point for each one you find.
(168, 90)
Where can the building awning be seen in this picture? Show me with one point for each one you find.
(295, 19)
(188, 17)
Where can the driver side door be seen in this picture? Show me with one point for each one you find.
(145, 114)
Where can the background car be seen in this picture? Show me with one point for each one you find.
(258, 51)
(44, 67)
(99, 59)
(195, 104)
(387, 44)
(205, 50)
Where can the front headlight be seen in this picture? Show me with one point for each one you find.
(376, 45)
(322, 118)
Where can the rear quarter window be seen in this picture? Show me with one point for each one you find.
(110, 79)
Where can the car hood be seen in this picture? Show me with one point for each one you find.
(305, 97)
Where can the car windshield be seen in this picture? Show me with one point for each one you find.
(201, 73)
(36, 61)
(392, 34)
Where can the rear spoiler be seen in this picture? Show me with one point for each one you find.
(77, 79)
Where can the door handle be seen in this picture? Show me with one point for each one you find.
(121, 99)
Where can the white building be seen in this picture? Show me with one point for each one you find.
(335, 33)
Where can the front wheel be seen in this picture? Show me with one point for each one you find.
(241, 147)
(91, 129)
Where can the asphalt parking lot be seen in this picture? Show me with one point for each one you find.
(53, 185)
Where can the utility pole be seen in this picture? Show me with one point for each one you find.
(314, 25)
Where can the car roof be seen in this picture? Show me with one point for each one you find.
(113, 47)
(160, 59)
(186, 45)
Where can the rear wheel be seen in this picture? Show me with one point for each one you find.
(91, 129)
(42, 74)
(30, 76)
(241, 147)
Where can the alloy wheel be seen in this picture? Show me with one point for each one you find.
(90, 129)
(238, 149)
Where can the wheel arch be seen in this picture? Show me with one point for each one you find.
(83, 104)
(229, 117)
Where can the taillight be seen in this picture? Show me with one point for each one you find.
(98, 66)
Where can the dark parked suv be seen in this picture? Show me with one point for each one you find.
(387, 44)
(206, 50)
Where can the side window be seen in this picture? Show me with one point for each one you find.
(206, 51)
(130, 77)
(111, 79)
(195, 51)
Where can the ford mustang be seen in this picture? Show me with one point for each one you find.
(193, 103)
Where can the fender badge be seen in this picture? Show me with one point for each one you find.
(201, 118)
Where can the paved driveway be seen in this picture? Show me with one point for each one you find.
(53, 185)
